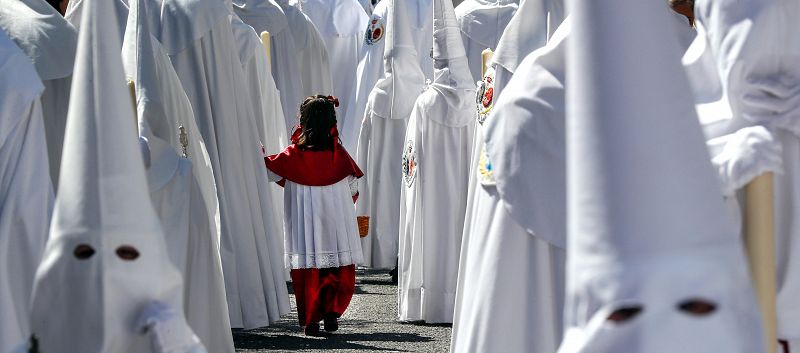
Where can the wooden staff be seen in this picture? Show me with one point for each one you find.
(265, 41)
(760, 241)
(486, 58)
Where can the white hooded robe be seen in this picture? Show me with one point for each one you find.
(106, 261)
(382, 136)
(436, 158)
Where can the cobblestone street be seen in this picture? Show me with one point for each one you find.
(369, 325)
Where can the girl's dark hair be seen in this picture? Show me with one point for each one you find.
(317, 118)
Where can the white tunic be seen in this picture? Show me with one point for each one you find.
(341, 24)
(25, 190)
(482, 23)
(212, 76)
(320, 225)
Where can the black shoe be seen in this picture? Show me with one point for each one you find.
(393, 273)
(312, 329)
(331, 323)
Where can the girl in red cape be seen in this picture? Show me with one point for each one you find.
(321, 234)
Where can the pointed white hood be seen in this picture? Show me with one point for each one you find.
(394, 94)
(649, 238)
(529, 29)
(106, 257)
(263, 15)
(50, 43)
(451, 75)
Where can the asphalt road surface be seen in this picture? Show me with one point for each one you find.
(368, 325)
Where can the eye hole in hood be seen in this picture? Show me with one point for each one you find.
(127, 253)
(625, 314)
(83, 251)
(697, 307)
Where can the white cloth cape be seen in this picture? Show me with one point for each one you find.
(25, 189)
(50, 42)
(211, 73)
(482, 23)
(341, 24)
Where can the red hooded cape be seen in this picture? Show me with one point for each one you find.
(313, 168)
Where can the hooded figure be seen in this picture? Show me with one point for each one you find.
(382, 139)
(50, 42)
(182, 188)
(482, 23)
(435, 177)
(267, 15)
(200, 42)
(525, 135)
(372, 67)
(755, 54)
(341, 24)
(106, 261)
(25, 190)
(654, 261)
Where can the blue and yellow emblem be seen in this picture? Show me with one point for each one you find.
(376, 30)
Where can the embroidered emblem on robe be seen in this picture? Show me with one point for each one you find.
(485, 98)
(409, 163)
(485, 175)
(376, 29)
